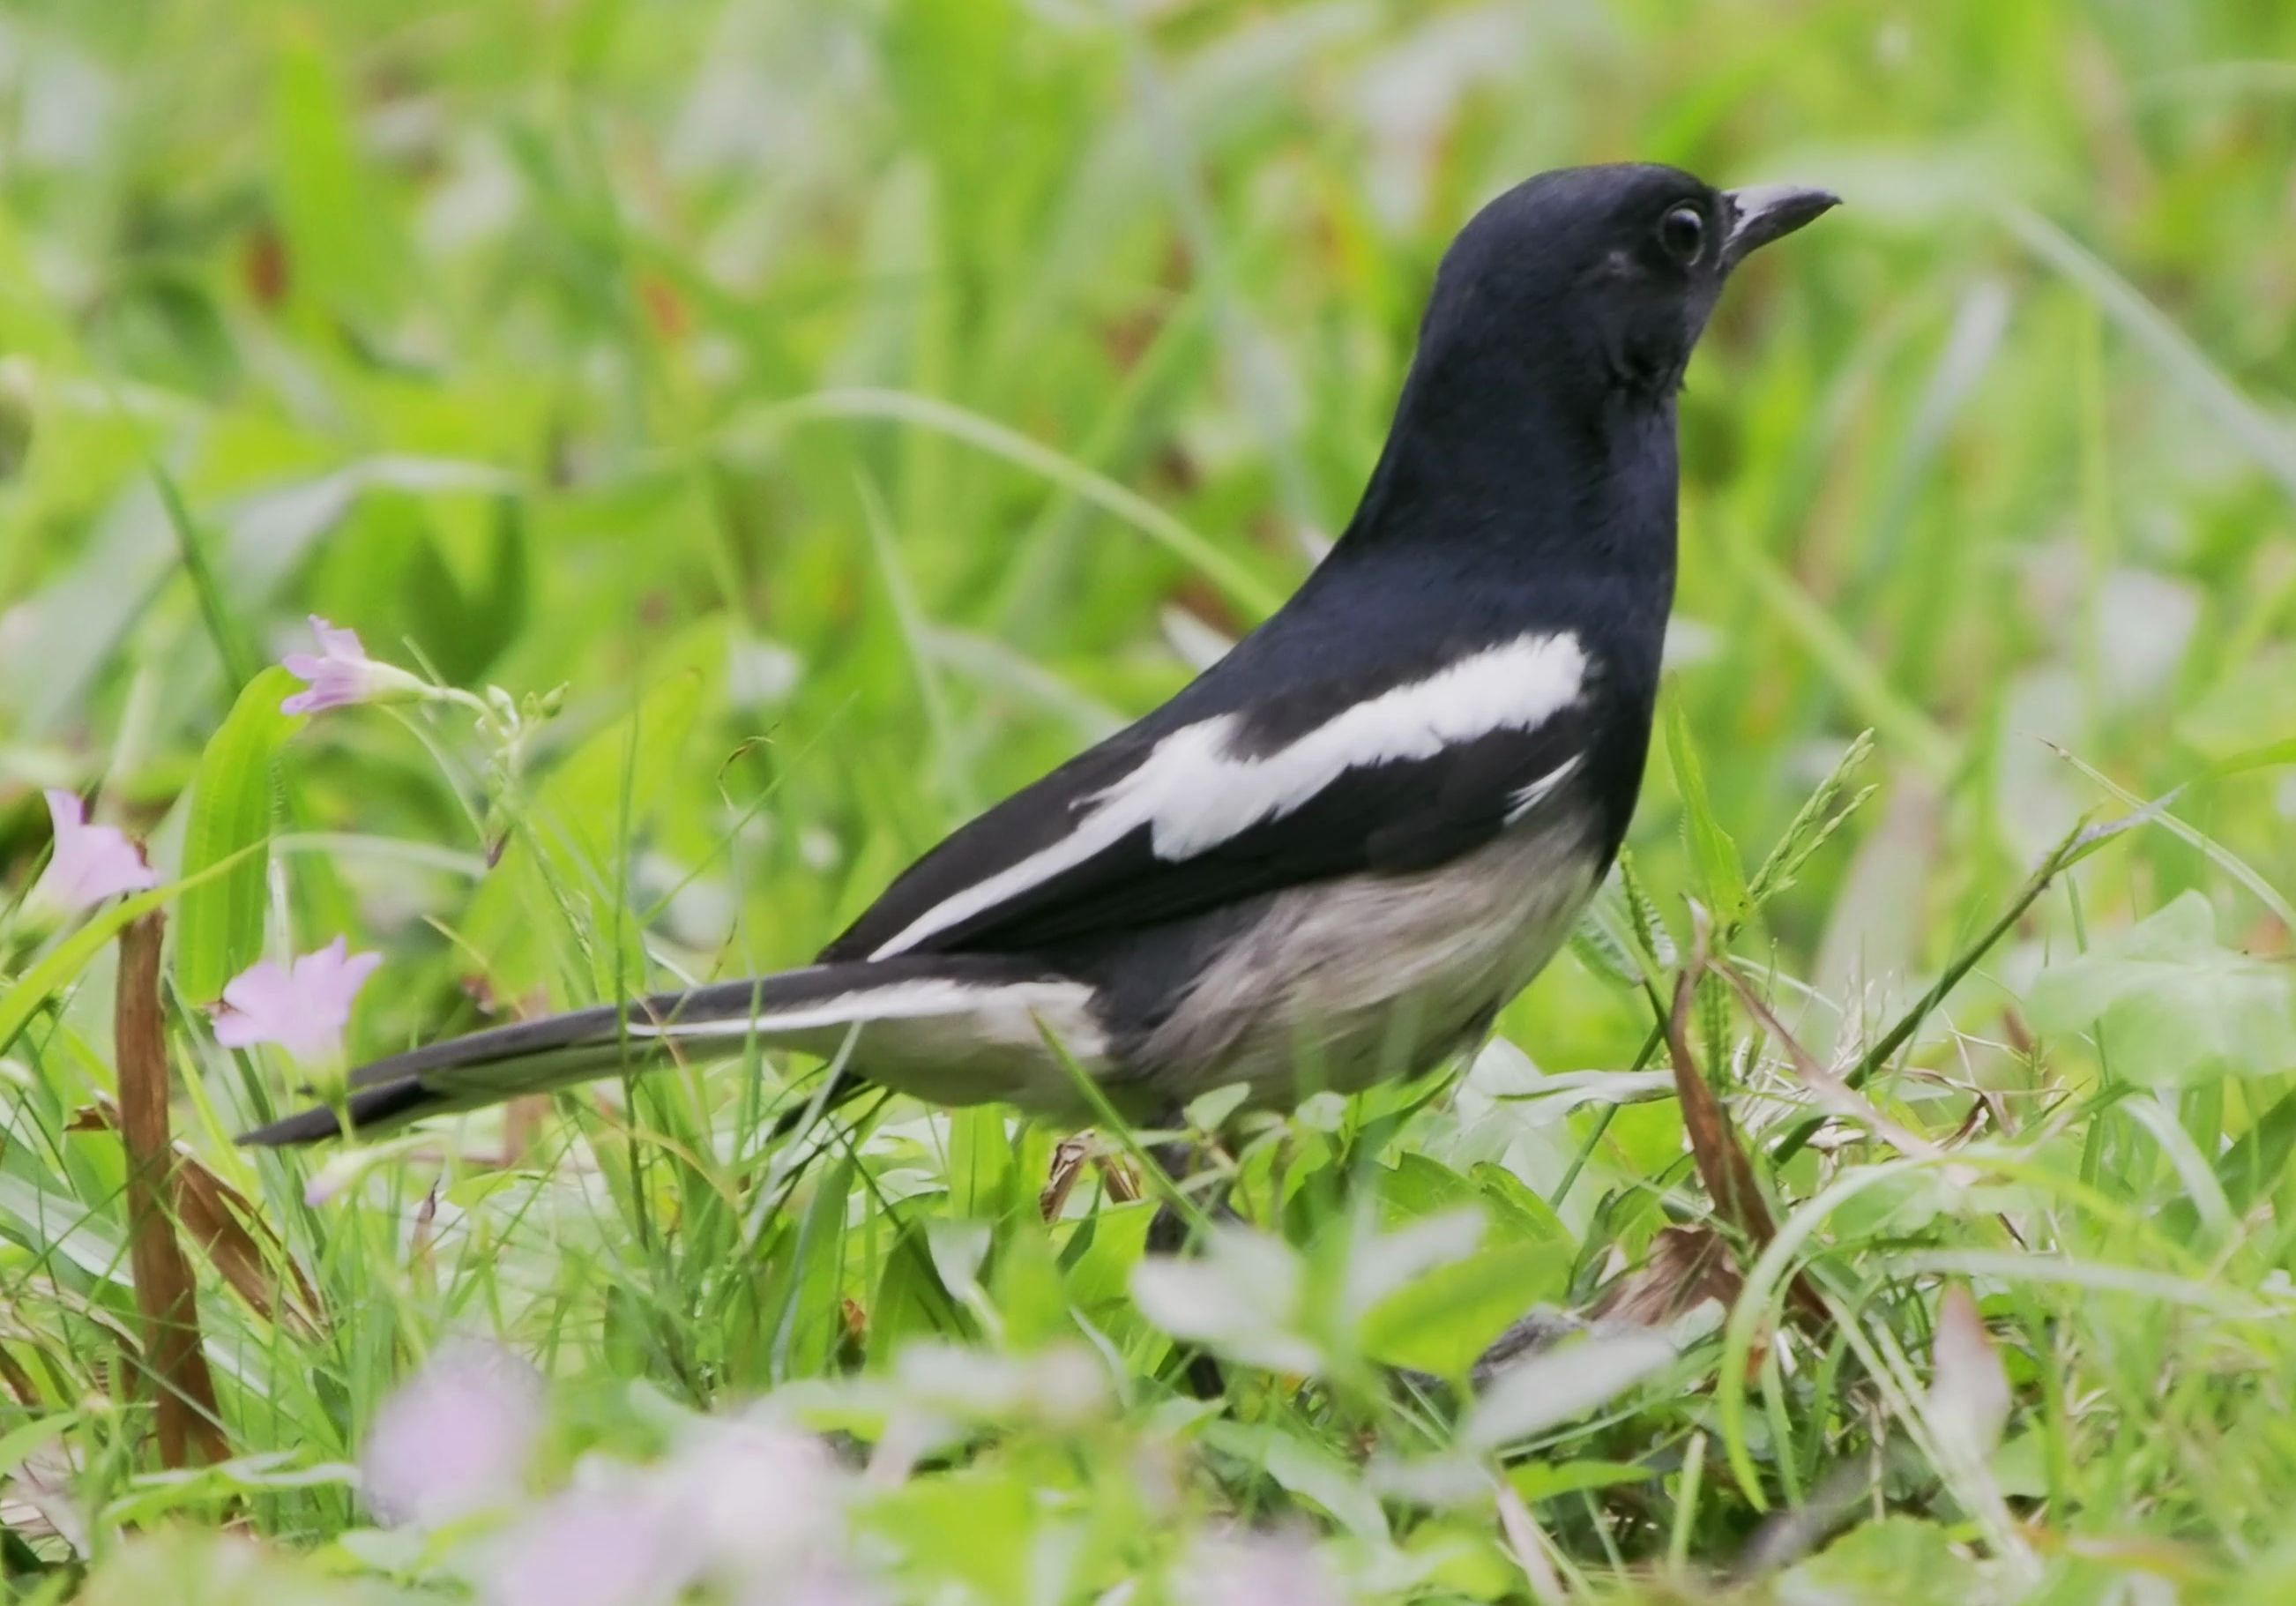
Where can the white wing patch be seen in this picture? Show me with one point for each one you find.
(1194, 792)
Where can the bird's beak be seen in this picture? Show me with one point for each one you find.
(1763, 212)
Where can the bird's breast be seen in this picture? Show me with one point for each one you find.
(1349, 982)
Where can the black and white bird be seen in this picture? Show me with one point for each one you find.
(1336, 854)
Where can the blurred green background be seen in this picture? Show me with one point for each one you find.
(869, 404)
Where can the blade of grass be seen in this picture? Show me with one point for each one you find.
(2077, 846)
(219, 929)
(240, 661)
(2270, 443)
(924, 412)
(2160, 813)
(1858, 678)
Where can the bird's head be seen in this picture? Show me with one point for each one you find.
(1603, 276)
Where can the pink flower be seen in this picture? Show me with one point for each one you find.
(90, 862)
(616, 1543)
(455, 1438)
(750, 1511)
(755, 1498)
(1258, 1569)
(827, 1585)
(342, 674)
(303, 1007)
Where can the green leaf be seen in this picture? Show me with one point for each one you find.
(22, 1441)
(1603, 952)
(229, 642)
(1444, 1319)
(1721, 873)
(1303, 1468)
(2271, 755)
(344, 252)
(2246, 1171)
(980, 1161)
(220, 931)
(1517, 1212)
(811, 1314)
(1025, 1285)
(1900, 1561)
(1538, 1480)
(2174, 1005)
(1418, 1186)
(974, 1525)
(49, 1222)
(2252, 711)
(909, 1301)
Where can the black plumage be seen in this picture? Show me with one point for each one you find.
(1347, 842)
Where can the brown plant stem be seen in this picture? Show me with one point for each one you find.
(1714, 1146)
(184, 1392)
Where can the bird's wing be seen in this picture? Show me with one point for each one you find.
(1169, 819)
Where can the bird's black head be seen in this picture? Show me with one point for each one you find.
(1601, 277)
(1535, 435)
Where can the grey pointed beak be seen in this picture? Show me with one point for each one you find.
(1763, 212)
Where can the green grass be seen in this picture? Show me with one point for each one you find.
(841, 403)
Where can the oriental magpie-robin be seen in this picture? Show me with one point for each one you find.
(1333, 856)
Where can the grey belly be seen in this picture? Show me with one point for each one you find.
(1345, 984)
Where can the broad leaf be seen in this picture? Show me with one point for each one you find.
(1240, 1297)
(219, 930)
(1442, 1322)
(1899, 1560)
(1562, 1384)
(2172, 1004)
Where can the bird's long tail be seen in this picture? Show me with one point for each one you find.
(813, 1009)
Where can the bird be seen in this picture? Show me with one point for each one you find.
(1333, 856)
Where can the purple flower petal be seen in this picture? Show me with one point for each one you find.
(1259, 1570)
(337, 641)
(455, 1438)
(756, 1497)
(828, 1585)
(613, 1544)
(90, 863)
(256, 997)
(303, 1007)
(342, 674)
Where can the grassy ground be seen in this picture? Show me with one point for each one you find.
(855, 409)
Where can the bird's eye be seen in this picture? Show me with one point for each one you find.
(1681, 234)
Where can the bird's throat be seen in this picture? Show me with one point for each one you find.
(1525, 481)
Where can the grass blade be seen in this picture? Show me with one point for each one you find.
(220, 931)
(924, 412)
